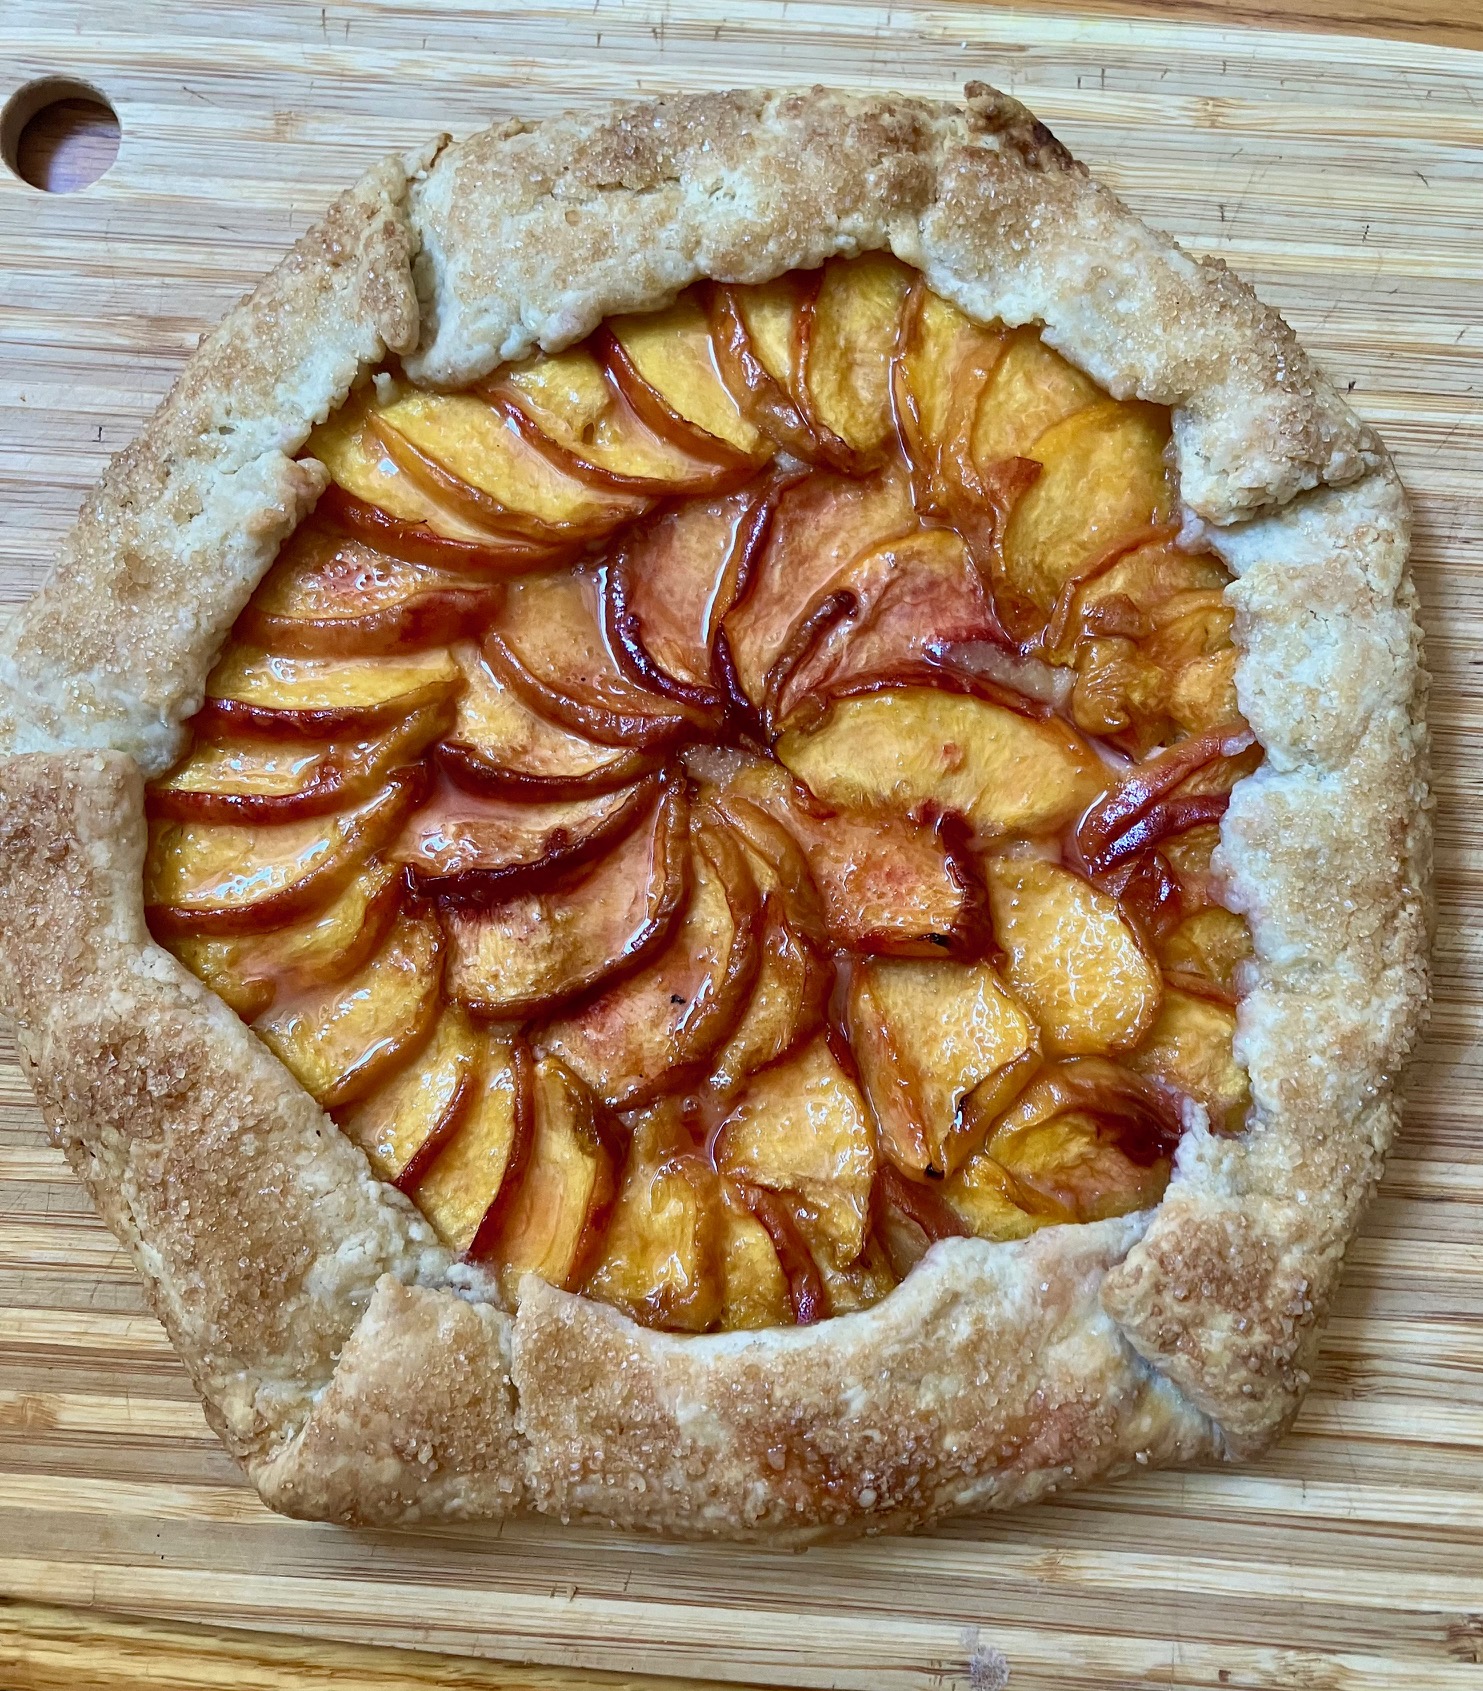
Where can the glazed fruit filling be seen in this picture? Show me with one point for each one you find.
(717, 810)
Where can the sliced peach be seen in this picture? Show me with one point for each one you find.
(268, 693)
(331, 595)
(379, 502)
(556, 1220)
(569, 404)
(912, 1218)
(222, 878)
(911, 601)
(856, 320)
(655, 1031)
(1127, 594)
(1184, 786)
(903, 748)
(1116, 687)
(257, 780)
(787, 1003)
(248, 970)
(754, 1289)
(856, 1285)
(1032, 389)
(926, 1035)
(665, 362)
(499, 746)
(1072, 956)
(802, 1127)
(476, 1171)
(992, 1204)
(474, 848)
(885, 884)
(539, 949)
(820, 526)
(402, 1124)
(757, 334)
(944, 363)
(1189, 1048)
(1104, 476)
(774, 1212)
(670, 585)
(550, 645)
(1208, 945)
(1086, 1141)
(345, 1040)
(468, 454)
(661, 1262)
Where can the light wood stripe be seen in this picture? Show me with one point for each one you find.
(1346, 179)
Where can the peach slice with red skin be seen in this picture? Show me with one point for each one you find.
(808, 1300)
(345, 1040)
(1090, 1138)
(926, 1035)
(377, 501)
(1072, 957)
(819, 527)
(910, 601)
(943, 362)
(468, 454)
(756, 1292)
(912, 1218)
(402, 1125)
(556, 1219)
(671, 583)
(282, 696)
(661, 1262)
(849, 339)
(331, 595)
(550, 645)
(257, 780)
(1185, 786)
(470, 1181)
(1208, 947)
(227, 878)
(886, 885)
(902, 748)
(665, 362)
(540, 949)
(498, 746)
(655, 1031)
(476, 848)
(757, 341)
(787, 1003)
(569, 406)
(249, 970)
(802, 1127)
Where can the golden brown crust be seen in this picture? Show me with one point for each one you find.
(990, 1377)
(114, 649)
(257, 1226)
(361, 1374)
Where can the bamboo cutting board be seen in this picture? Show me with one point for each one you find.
(1345, 178)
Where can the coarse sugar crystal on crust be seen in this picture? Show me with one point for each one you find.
(359, 1371)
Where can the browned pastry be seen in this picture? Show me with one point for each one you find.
(812, 740)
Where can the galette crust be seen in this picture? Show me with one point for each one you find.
(358, 1372)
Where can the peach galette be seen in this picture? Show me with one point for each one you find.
(717, 809)
(799, 746)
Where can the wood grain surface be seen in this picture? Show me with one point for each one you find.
(1346, 179)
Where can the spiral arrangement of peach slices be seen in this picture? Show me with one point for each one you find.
(716, 810)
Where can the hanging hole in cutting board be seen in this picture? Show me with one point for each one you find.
(58, 134)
